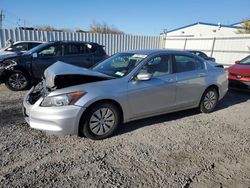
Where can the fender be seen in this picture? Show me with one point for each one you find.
(6, 72)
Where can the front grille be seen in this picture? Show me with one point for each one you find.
(33, 97)
(242, 76)
(38, 92)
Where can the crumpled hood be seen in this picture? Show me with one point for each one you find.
(62, 74)
(6, 55)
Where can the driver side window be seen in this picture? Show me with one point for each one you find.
(50, 51)
(158, 66)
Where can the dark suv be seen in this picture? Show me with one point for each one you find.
(22, 71)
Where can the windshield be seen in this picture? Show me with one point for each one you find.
(245, 61)
(18, 47)
(120, 64)
(37, 48)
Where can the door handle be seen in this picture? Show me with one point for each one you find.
(170, 80)
(202, 75)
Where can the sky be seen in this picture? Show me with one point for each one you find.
(139, 17)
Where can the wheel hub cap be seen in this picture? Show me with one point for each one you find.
(102, 121)
(210, 100)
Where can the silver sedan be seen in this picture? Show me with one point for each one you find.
(125, 87)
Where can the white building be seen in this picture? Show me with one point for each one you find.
(201, 29)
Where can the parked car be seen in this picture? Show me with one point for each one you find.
(20, 72)
(125, 87)
(210, 60)
(239, 74)
(18, 47)
(202, 55)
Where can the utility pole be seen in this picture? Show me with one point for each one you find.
(1, 19)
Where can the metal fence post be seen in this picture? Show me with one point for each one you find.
(185, 43)
(212, 50)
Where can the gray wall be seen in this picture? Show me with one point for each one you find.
(113, 43)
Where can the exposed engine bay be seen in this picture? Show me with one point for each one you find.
(61, 75)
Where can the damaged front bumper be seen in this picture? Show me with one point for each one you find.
(53, 120)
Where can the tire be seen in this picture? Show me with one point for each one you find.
(17, 81)
(209, 100)
(100, 121)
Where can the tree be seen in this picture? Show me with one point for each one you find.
(246, 27)
(104, 28)
(80, 30)
(50, 28)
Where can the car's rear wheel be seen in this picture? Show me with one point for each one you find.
(17, 81)
(209, 100)
(100, 122)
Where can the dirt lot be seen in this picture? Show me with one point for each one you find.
(184, 149)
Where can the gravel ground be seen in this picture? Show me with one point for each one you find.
(184, 149)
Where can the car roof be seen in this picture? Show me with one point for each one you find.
(79, 42)
(156, 51)
(17, 42)
(195, 51)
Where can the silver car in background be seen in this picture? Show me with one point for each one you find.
(125, 87)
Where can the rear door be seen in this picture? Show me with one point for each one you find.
(191, 79)
(77, 54)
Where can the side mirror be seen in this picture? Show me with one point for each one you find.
(237, 62)
(144, 76)
(34, 55)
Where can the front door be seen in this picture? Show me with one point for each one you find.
(44, 59)
(156, 95)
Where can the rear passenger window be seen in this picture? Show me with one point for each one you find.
(186, 63)
(91, 48)
(72, 49)
(79, 49)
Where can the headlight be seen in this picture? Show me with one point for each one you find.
(62, 100)
(8, 64)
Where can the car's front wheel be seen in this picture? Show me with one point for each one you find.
(101, 121)
(17, 81)
(209, 100)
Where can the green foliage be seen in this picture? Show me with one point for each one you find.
(246, 27)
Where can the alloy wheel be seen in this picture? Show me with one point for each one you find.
(18, 81)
